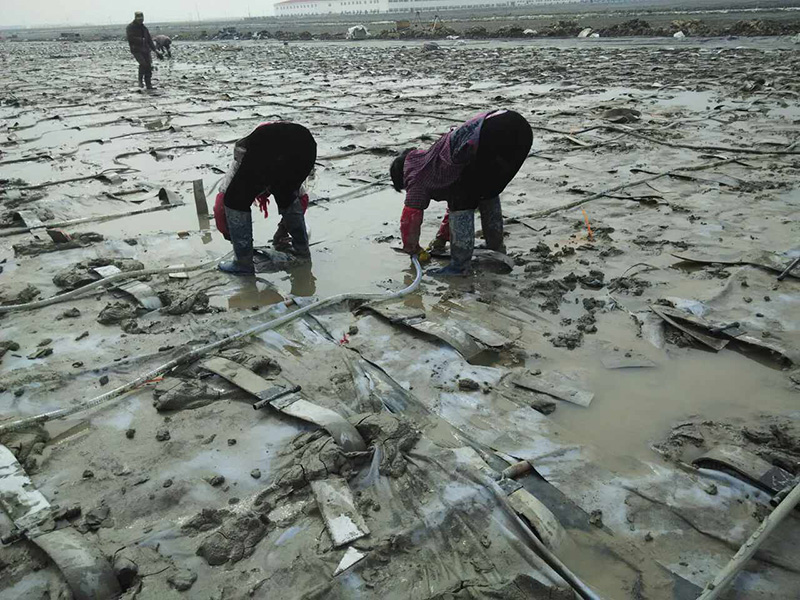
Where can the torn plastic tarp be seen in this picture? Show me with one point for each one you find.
(686, 522)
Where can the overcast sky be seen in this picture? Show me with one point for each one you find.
(100, 12)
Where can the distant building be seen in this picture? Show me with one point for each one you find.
(303, 8)
(71, 37)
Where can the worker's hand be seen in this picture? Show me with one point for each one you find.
(423, 256)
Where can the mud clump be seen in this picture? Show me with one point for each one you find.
(72, 313)
(67, 513)
(27, 294)
(562, 29)
(188, 394)
(628, 285)
(595, 280)
(393, 435)
(38, 247)
(773, 438)
(182, 579)
(313, 455)
(95, 519)
(543, 404)
(542, 263)
(468, 385)
(26, 444)
(205, 520)
(586, 324)
(117, 312)
(553, 290)
(235, 540)
(81, 274)
(634, 27)
(8, 346)
(180, 303)
(569, 340)
(259, 364)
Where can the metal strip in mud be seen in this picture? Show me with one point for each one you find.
(342, 432)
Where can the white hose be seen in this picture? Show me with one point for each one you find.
(748, 549)
(105, 281)
(193, 355)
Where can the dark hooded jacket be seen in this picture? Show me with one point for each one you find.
(139, 39)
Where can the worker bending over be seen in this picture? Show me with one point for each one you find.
(275, 159)
(467, 168)
(163, 43)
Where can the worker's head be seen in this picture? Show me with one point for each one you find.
(397, 168)
(138, 17)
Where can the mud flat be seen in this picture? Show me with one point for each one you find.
(646, 231)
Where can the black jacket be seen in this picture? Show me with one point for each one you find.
(139, 39)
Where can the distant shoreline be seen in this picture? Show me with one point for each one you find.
(653, 18)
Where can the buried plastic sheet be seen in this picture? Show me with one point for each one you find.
(447, 331)
(141, 292)
(699, 329)
(351, 557)
(206, 349)
(686, 520)
(746, 465)
(555, 385)
(342, 520)
(690, 328)
(85, 568)
(343, 433)
(758, 258)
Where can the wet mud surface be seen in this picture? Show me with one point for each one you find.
(686, 149)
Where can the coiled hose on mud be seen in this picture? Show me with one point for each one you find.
(193, 355)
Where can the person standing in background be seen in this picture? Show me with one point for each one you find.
(141, 44)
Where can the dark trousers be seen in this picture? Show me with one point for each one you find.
(278, 157)
(145, 60)
(503, 146)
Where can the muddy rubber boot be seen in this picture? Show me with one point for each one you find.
(295, 223)
(281, 240)
(240, 229)
(492, 224)
(462, 242)
(148, 81)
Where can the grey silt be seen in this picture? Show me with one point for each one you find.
(240, 229)
(492, 223)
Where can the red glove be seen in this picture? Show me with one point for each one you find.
(219, 215)
(444, 228)
(410, 227)
(263, 203)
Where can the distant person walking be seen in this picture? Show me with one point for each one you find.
(141, 44)
(163, 43)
